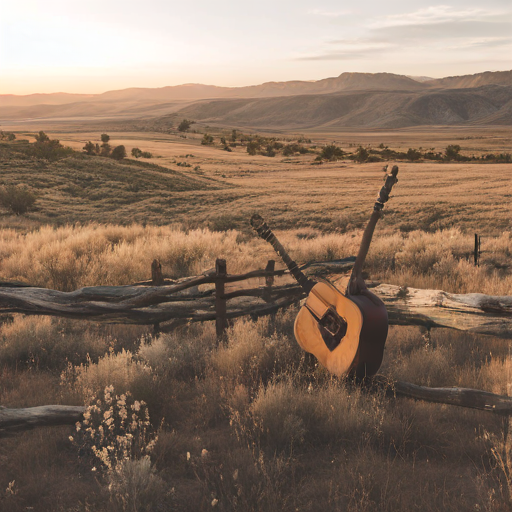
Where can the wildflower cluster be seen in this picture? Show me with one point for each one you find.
(115, 429)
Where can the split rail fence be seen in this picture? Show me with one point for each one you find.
(166, 304)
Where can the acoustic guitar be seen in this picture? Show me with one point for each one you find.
(345, 332)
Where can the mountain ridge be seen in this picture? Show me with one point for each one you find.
(187, 92)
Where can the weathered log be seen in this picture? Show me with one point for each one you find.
(15, 420)
(462, 397)
(472, 312)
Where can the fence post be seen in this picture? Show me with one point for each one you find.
(156, 280)
(156, 273)
(476, 249)
(269, 281)
(220, 302)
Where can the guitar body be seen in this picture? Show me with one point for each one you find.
(346, 334)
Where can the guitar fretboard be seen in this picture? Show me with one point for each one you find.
(266, 233)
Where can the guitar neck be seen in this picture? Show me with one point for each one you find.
(357, 270)
(266, 233)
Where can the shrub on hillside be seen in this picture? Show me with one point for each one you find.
(185, 125)
(9, 136)
(17, 199)
(118, 153)
(48, 149)
(361, 155)
(452, 152)
(331, 153)
(207, 140)
(413, 155)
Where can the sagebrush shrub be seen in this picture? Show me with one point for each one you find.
(18, 200)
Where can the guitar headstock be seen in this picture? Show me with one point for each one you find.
(260, 226)
(390, 180)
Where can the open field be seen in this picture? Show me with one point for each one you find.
(222, 189)
(253, 423)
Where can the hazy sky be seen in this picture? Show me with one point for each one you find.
(99, 45)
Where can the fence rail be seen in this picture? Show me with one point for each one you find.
(161, 300)
(176, 302)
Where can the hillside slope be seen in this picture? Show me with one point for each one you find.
(377, 109)
(471, 81)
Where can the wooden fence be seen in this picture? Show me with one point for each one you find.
(168, 303)
(176, 302)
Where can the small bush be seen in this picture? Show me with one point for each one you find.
(452, 152)
(118, 153)
(361, 155)
(9, 136)
(185, 125)
(207, 140)
(331, 153)
(119, 370)
(115, 429)
(17, 199)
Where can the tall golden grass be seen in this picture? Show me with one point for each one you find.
(252, 423)
(70, 257)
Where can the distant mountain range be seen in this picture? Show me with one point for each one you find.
(375, 100)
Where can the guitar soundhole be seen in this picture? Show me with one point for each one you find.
(333, 328)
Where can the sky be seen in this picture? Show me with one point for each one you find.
(99, 45)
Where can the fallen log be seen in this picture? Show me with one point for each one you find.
(472, 312)
(462, 397)
(16, 420)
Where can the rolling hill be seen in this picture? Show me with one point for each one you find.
(378, 100)
(369, 109)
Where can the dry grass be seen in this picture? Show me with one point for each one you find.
(221, 190)
(70, 257)
(254, 424)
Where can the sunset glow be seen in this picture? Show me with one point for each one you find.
(65, 46)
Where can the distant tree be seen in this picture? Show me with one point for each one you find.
(7, 136)
(136, 152)
(252, 147)
(49, 149)
(119, 152)
(330, 152)
(42, 137)
(185, 125)
(361, 154)
(269, 151)
(223, 141)
(90, 148)
(234, 135)
(146, 154)
(105, 149)
(452, 152)
(17, 199)
(105, 138)
(207, 140)
(413, 155)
